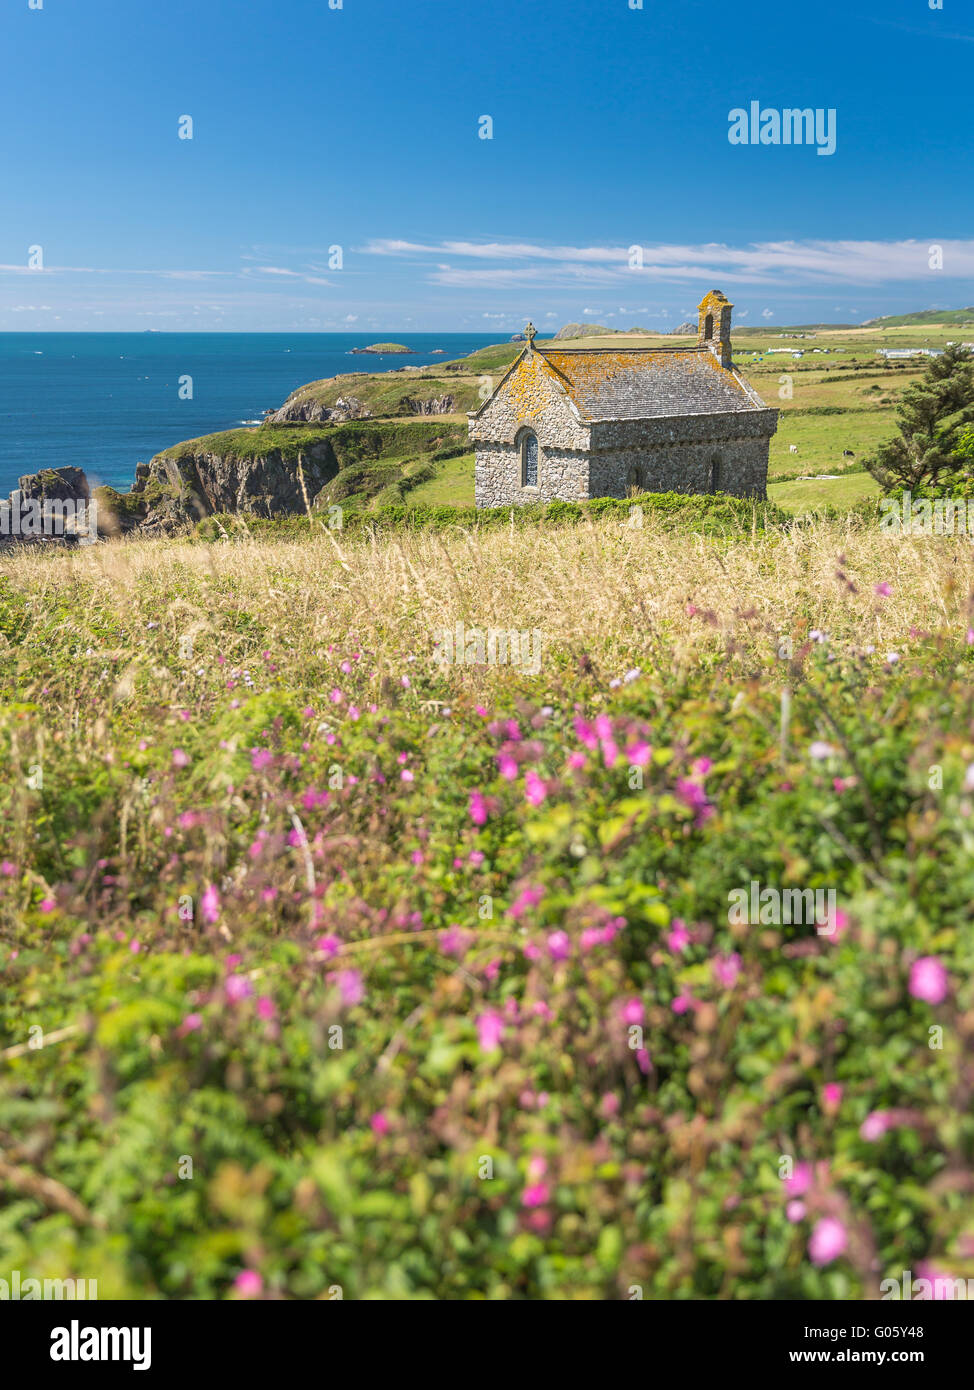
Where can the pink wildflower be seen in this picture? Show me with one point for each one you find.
(727, 969)
(454, 940)
(929, 980)
(534, 788)
(632, 1011)
(249, 1283)
(210, 904)
(237, 988)
(874, 1126)
(351, 987)
(559, 945)
(536, 1195)
(490, 1030)
(831, 1096)
(828, 1241)
(678, 939)
(800, 1181)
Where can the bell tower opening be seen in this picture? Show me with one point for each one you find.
(715, 325)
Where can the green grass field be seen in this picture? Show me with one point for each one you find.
(807, 495)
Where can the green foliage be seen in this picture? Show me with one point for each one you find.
(932, 415)
(711, 514)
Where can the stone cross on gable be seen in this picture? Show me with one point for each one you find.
(530, 334)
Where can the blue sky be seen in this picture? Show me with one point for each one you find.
(359, 128)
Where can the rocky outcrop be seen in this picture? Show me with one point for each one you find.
(683, 329)
(433, 405)
(56, 484)
(383, 349)
(597, 330)
(310, 410)
(265, 484)
(580, 330)
(47, 508)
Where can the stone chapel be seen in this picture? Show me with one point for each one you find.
(604, 422)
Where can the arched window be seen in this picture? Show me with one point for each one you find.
(713, 477)
(708, 328)
(633, 479)
(529, 459)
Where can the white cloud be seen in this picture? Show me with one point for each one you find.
(107, 270)
(797, 263)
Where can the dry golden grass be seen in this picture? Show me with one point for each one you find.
(622, 595)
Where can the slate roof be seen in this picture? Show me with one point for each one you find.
(638, 383)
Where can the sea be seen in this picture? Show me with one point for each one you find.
(106, 401)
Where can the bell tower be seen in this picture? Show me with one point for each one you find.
(715, 325)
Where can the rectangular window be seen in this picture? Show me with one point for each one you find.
(531, 460)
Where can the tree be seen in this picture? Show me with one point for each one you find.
(932, 416)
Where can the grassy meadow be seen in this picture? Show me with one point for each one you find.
(331, 968)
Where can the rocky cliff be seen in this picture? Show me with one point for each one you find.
(354, 439)
(298, 409)
(310, 406)
(276, 471)
(67, 484)
(263, 483)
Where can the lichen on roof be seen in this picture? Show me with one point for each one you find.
(638, 383)
(530, 385)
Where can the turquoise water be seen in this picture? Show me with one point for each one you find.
(105, 401)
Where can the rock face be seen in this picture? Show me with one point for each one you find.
(60, 484)
(309, 410)
(683, 329)
(312, 411)
(435, 405)
(54, 501)
(262, 485)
